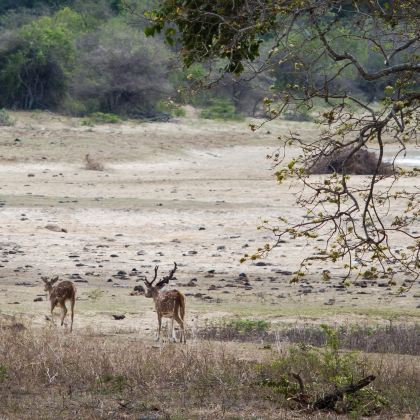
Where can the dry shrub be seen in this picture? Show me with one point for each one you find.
(46, 372)
(92, 164)
(396, 339)
(362, 162)
(82, 375)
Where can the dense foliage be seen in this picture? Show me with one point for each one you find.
(79, 58)
(89, 56)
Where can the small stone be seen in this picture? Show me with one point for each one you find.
(139, 288)
(261, 264)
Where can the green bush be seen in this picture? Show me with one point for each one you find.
(36, 60)
(179, 112)
(220, 109)
(171, 108)
(248, 325)
(323, 371)
(3, 373)
(5, 119)
(101, 118)
(112, 384)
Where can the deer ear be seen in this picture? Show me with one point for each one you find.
(54, 279)
(44, 279)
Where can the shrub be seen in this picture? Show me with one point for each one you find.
(170, 108)
(5, 119)
(248, 325)
(220, 109)
(179, 112)
(3, 372)
(101, 118)
(35, 61)
(300, 114)
(322, 371)
(126, 74)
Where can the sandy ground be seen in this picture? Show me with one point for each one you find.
(189, 191)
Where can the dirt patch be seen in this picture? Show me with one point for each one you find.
(190, 191)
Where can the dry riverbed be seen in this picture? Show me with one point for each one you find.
(189, 191)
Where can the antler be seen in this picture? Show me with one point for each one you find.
(149, 283)
(166, 279)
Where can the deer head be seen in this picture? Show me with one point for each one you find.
(150, 288)
(49, 283)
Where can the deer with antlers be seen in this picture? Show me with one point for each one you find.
(65, 290)
(168, 304)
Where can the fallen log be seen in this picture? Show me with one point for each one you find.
(329, 400)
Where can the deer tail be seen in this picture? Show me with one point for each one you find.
(181, 305)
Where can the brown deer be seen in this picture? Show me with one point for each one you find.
(65, 290)
(168, 304)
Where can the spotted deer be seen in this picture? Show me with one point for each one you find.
(168, 303)
(58, 294)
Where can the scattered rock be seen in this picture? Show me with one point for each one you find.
(38, 299)
(55, 228)
(24, 283)
(118, 317)
(330, 302)
(361, 283)
(261, 264)
(139, 288)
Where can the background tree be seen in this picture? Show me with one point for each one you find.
(118, 71)
(328, 44)
(35, 61)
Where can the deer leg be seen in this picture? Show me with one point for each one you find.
(63, 312)
(173, 335)
(72, 313)
(181, 324)
(160, 326)
(52, 312)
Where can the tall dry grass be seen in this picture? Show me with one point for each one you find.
(45, 373)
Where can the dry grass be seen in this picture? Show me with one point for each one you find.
(396, 339)
(45, 374)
